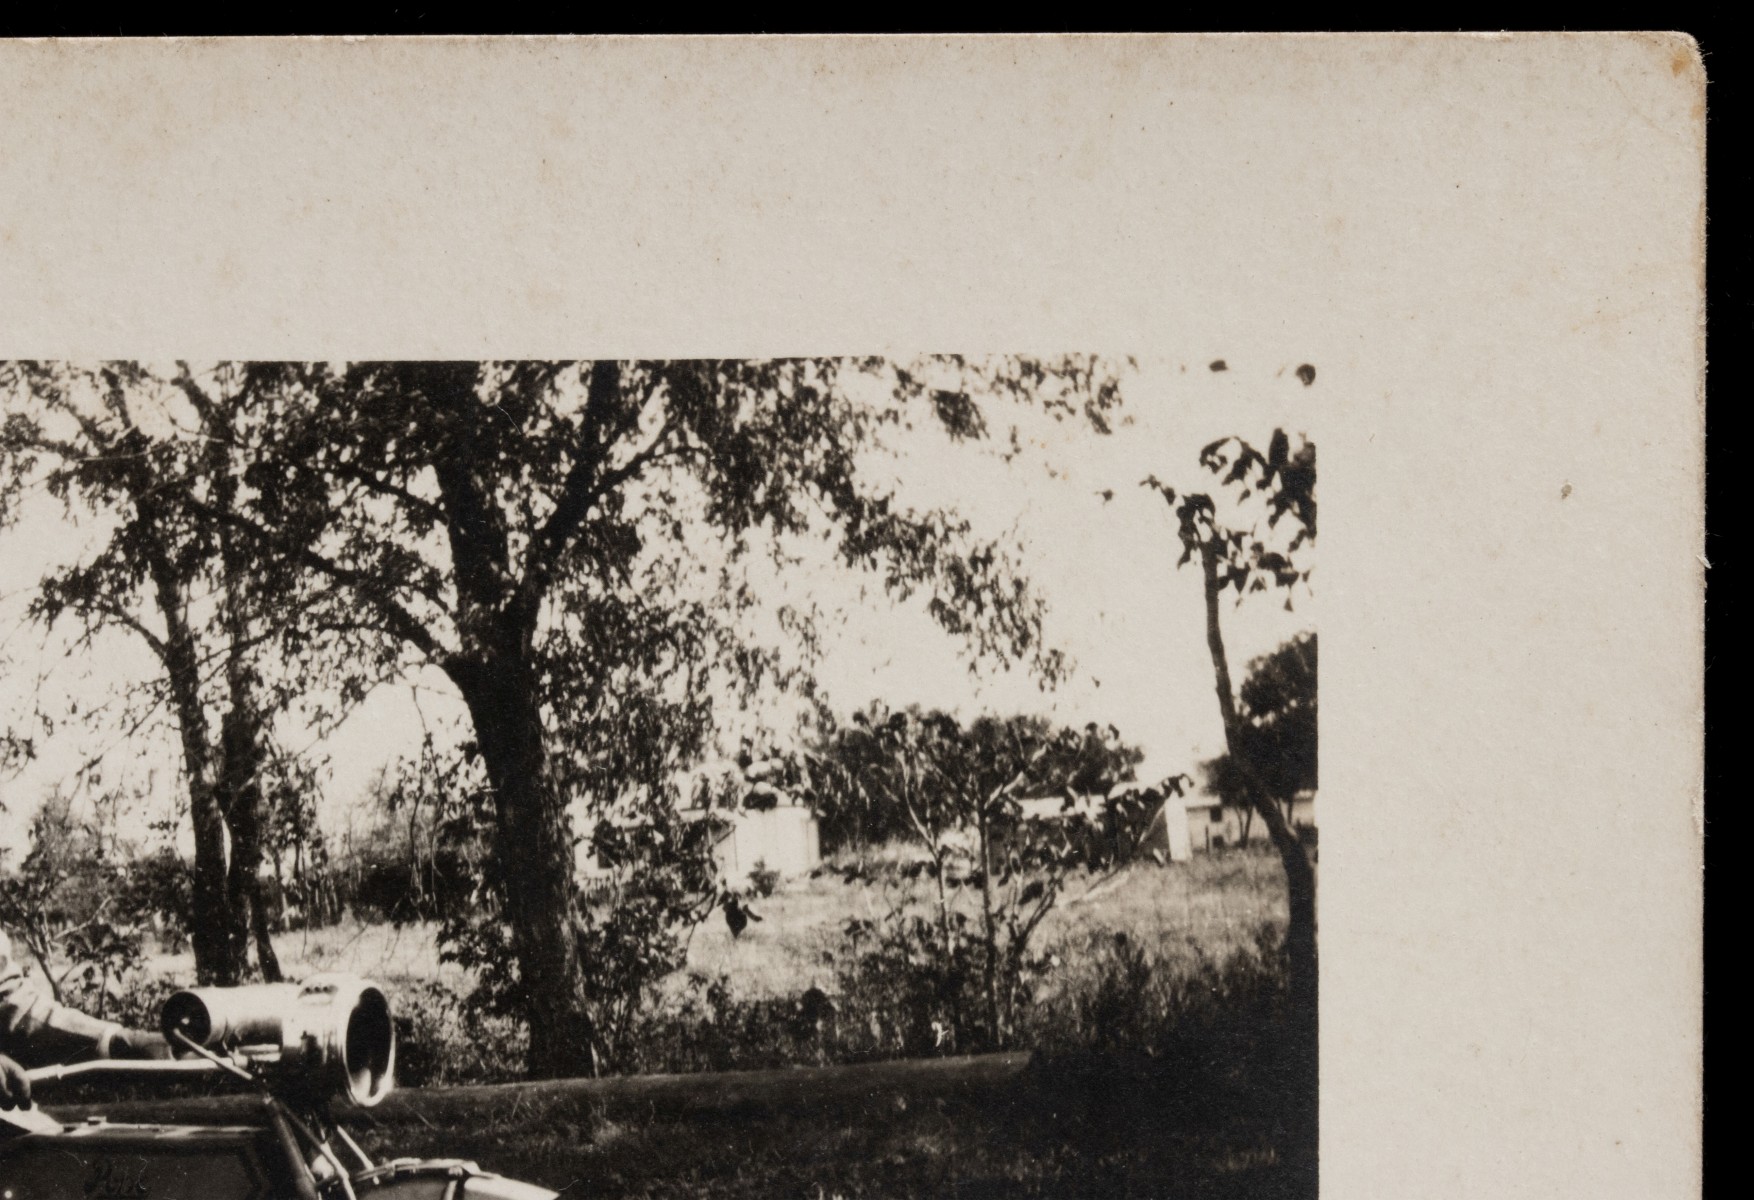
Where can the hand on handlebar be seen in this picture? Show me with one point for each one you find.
(14, 1085)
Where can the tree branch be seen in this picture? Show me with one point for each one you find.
(92, 430)
(401, 622)
(209, 413)
(578, 492)
(184, 381)
(418, 505)
(122, 616)
(1050, 893)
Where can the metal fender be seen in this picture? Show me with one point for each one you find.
(440, 1179)
(498, 1187)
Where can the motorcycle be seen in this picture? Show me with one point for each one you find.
(307, 1050)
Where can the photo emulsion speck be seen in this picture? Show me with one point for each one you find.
(887, 776)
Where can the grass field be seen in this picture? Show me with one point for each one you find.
(1046, 1133)
(1191, 1104)
(1214, 903)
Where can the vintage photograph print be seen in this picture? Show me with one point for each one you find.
(885, 772)
(737, 617)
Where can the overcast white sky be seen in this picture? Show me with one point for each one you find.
(1129, 620)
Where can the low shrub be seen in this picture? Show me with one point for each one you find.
(1102, 995)
(708, 1028)
(1104, 998)
(763, 882)
(133, 999)
(443, 1039)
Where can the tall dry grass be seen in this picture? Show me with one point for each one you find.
(736, 1002)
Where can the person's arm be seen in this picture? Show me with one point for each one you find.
(37, 1029)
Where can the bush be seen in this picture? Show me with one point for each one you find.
(762, 881)
(387, 885)
(1110, 991)
(659, 881)
(912, 987)
(708, 1028)
(159, 889)
(133, 1000)
(1198, 1039)
(443, 1039)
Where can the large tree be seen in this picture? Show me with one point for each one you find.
(570, 544)
(1249, 557)
(132, 452)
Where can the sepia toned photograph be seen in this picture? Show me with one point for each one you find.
(922, 751)
(678, 616)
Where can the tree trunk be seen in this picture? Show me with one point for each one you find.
(244, 759)
(265, 956)
(989, 928)
(533, 859)
(943, 902)
(242, 803)
(210, 915)
(496, 674)
(210, 922)
(951, 985)
(1300, 892)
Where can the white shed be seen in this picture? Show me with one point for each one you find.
(785, 838)
(1167, 835)
(1213, 824)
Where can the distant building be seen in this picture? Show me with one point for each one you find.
(761, 823)
(1158, 831)
(785, 838)
(1213, 825)
(1167, 836)
(767, 826)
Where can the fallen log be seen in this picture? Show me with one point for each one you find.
(879, 1087)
